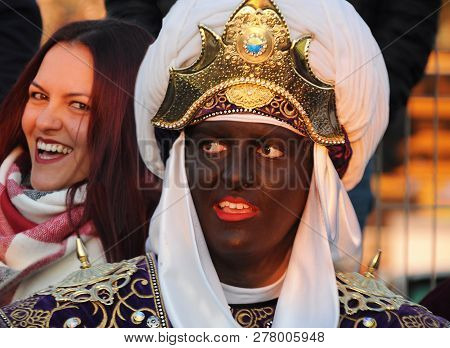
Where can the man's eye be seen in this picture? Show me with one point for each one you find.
(38, 96)
(80, 106)
(213, 147)
(269, 151)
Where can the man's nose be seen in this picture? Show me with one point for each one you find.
(238, 173)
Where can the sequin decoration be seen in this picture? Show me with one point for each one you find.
(72, 322)
(153, 322)
(369, 322)
(137, 317)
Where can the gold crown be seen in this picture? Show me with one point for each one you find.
(252, 63)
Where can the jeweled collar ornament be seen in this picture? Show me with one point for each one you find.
(258, 68)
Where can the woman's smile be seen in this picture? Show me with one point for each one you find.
(50, 151)
(234, 209)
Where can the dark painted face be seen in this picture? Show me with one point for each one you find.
(249, 183)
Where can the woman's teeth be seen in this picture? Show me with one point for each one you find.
(224, 204)
(55, 148)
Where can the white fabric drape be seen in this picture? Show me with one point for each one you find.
(328, 238)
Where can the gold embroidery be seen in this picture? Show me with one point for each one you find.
(23, 314)
(358, 321)
(421, 320)
(254, 317)
(105, 315)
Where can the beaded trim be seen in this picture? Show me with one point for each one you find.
(155, 287)
(5, 319)
(243, 111)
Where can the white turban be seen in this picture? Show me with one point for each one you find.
(328, 238)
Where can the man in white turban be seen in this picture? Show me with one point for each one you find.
(275, 110)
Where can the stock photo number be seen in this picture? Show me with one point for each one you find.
(287, 336)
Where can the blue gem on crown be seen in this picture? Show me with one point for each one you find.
(255, 45)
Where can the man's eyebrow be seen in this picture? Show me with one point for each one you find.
(274, 134)
(206, 133)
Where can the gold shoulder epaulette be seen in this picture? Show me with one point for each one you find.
(359, 292)
(94, 283)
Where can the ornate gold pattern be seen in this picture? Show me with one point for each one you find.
(254, 317)
(26, 313)
(278, 108)
(254, 51)
(23, 314)
(359, 293)
(249, 96)
(97, 283)
(422, 319)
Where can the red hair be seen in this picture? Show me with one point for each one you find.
(121, 193)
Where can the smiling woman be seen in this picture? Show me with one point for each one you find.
(69, 157)
(56, 118)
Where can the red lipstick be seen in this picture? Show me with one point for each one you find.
(232, 209)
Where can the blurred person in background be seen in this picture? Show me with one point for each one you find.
(20, 36)
(405, 30)
(70, 166)
(145, 13)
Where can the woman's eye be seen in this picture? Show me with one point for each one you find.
(213, 147)
(38, 96)
(80, 106)
(269, 151)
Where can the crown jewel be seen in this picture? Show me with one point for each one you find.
(255, 64)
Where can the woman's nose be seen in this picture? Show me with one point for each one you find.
(48, 119)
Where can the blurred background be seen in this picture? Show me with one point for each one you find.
(411, 219)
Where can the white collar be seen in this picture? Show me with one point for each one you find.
(237, 295)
